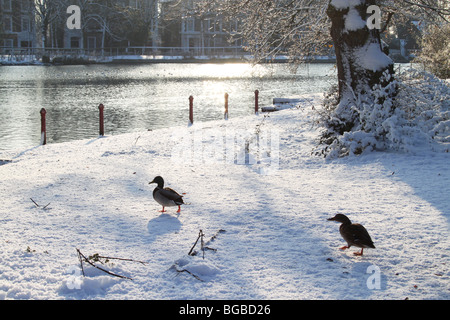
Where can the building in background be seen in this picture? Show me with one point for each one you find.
(195, 31)
(17, 24)
(112, 27)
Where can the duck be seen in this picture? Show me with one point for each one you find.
(166, 197)
(353, 233)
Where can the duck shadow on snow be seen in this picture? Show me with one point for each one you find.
(163, 224)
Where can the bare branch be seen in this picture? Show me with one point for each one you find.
(97, 267)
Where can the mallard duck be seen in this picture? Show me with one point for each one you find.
(354, 233)
(166, 197)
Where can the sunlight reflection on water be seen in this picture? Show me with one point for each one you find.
(138, 97)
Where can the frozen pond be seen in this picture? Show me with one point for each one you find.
(138, 97)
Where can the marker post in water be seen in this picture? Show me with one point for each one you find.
(43, 127)
(256, 101)
(226, 107)
(101, 107)
(191, 109)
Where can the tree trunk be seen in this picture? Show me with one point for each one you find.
(44, 30)
(360, 59)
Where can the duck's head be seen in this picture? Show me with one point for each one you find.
(340, 218)
(158, 180)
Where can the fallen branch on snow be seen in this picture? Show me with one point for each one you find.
(97, 258)
(185, 270)
(38, 206)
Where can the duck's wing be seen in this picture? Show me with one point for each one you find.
(171, 195)
(360, 236)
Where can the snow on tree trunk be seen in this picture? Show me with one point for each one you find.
(360, 59)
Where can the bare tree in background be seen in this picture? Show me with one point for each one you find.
(139, 23)
(46, 11)
(435, 54)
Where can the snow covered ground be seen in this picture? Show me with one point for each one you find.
(265, 207)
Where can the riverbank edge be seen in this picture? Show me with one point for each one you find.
(67, 60)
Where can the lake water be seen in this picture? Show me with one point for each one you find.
(138, 97)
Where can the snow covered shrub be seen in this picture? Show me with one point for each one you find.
(402, 114)
(367, 113)
(425, 105)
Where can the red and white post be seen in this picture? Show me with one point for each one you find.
(256, 101)
(101, 107)
(225, 116)
(191, 109)
(43, 127)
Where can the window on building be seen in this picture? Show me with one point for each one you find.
(8, 43)
(91, 43)
(7, 5)
(217, 26)
(75, 42)
(207, 25)
(25, 44)
(26, 24)
(234, 26)
(7, 24)
(190, 25)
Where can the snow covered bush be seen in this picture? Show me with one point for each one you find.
(403, 114)
(425, 102)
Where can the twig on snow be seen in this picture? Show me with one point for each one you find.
(34, 202)
(97, 257)
(203, 244)
(81, 262)
(192, 274)
(193, 253)
(215, 236)
(37, 205)
(95, 266)
(200, 235)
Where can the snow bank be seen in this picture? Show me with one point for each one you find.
(277, 242)
(19, 60)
